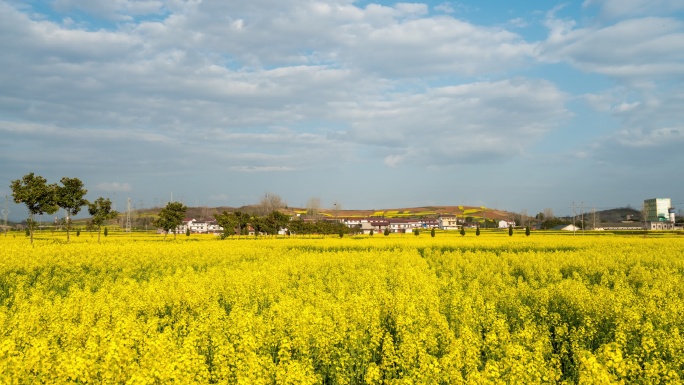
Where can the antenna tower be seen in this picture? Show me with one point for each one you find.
(128, 217)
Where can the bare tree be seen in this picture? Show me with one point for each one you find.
(524, 217)
(313, 207)
(548, 213)
(271, 202)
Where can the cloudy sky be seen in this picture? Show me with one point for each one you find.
(373, 104)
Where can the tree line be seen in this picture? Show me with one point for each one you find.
(40, 198)
(239, 223)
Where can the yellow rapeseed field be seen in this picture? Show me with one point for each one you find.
(364, 310)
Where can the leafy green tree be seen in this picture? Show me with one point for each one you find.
(105, 232)
(276, 221)
(550, 223)
(229, 222)
(259, 224)
(510, 231)
(371, 233)
(386, 231)
(101, 211)
(187, 232)
(527, 230)
(70, 197)
(243, 221)
(38, 196)
(477, 231)
(432, 232)
(462, 231)
(170, 217)
(298, 226)
(416, 232)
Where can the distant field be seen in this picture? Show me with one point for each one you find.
(549, 308)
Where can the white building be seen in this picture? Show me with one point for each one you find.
(659, 210)
(659, 214)
(199, 227)
(399, 225)
(503, 224)
(448, 223)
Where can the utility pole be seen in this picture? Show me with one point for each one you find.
(128, 216)
(574, 215)
(582, 217)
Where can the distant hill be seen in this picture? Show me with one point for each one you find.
(411, 212)
(618, 215)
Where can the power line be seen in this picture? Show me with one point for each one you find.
(574, 216)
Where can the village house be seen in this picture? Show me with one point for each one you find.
(199, 226)
(504, 224)
(379, 225)
(448, 222)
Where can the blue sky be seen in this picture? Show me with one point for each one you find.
(371, 104)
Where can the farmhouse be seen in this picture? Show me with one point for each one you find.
(199, 226)
(448, 222)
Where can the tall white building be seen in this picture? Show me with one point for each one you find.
(659, 214)
(658, 210)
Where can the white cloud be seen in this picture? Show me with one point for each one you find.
(651, 47)
(113, 187)
(625, 107)
(438, 46)
(649, 127)
(623, 8)
(656, 138)
(256, 88)
(119, 10)
(475, 122)
(189, 81)
(518, 22)
(445, 7)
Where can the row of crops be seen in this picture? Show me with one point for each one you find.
(371, 310)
